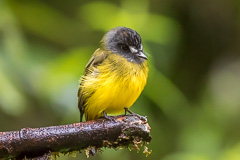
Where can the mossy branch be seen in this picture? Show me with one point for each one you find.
(120, 131)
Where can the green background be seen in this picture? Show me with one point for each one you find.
(192, 98)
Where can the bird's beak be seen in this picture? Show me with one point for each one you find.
(142, 55)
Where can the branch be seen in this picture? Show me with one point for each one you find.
(120, 131)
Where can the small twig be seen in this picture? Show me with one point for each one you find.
(121, 131)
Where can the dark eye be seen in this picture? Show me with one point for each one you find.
(124, 47)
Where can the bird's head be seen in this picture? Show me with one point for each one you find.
(125, 42)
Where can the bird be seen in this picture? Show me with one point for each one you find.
(115, 75)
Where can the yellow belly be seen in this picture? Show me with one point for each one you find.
(118, 85)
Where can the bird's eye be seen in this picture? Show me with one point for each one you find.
(124, 47)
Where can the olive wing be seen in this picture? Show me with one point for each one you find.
(97, 58)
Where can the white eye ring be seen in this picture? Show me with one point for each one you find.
(133, 49)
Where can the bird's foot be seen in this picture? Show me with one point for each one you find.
(134, 114)
(130, 112)
(110, 118)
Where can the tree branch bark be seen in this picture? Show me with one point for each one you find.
(120, 131)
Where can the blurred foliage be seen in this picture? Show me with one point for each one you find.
(192, 98)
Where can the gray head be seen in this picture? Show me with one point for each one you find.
(125, 42)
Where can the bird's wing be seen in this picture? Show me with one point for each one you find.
(97, 58)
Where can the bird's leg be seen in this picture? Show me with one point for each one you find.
(134, 114)
(127, 110)
(107, 117)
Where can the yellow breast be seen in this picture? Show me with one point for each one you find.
(118, 84)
